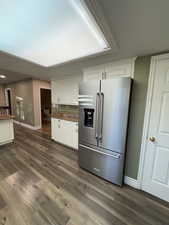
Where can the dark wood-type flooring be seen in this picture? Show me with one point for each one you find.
(41, 184)
(46, 128)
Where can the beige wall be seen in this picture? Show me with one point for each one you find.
(37, 85)
(2, 95)
(29, 90)
(136, 117)
(24, 90)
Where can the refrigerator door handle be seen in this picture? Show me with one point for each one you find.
(113, 155)
(97, 116)
(101, 115)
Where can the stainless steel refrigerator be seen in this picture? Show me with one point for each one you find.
(104, 109)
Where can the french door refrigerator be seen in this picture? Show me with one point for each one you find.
(104, 109)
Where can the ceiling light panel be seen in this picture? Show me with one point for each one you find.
(49, 32)
(2, 76)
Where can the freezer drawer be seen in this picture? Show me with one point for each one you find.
(108, 166)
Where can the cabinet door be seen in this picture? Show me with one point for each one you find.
(6, 131)
(57, 130)
(53, 128)
(75, 138)
(122, 68)
(68, 130)
(65, 92)
(65, 132)
(94, 73)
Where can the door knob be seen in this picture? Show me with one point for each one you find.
(152, 139)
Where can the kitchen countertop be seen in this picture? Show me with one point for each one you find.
(6, 117)
(66, 116)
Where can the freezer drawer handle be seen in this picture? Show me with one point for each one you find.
(116, 156)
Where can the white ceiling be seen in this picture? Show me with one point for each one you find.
(139, 28)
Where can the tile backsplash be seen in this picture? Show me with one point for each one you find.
(71, 109)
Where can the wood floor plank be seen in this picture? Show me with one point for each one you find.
(42, 184)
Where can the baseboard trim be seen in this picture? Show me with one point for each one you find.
(27, 125)
(132, 182)
(6, 142)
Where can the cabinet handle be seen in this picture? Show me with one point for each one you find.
(58, 123)
(114, 155)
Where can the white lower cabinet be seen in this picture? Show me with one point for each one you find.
(65, 132)
(6, 131)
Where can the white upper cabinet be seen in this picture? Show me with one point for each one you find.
(110, 70)
(65, 92)
(120, 68)
(93, 73)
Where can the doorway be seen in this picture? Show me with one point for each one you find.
(45, 95)
(8, 100)
(155, 168)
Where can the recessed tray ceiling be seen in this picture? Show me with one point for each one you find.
(49, 32)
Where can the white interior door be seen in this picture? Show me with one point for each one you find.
(156, 167)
